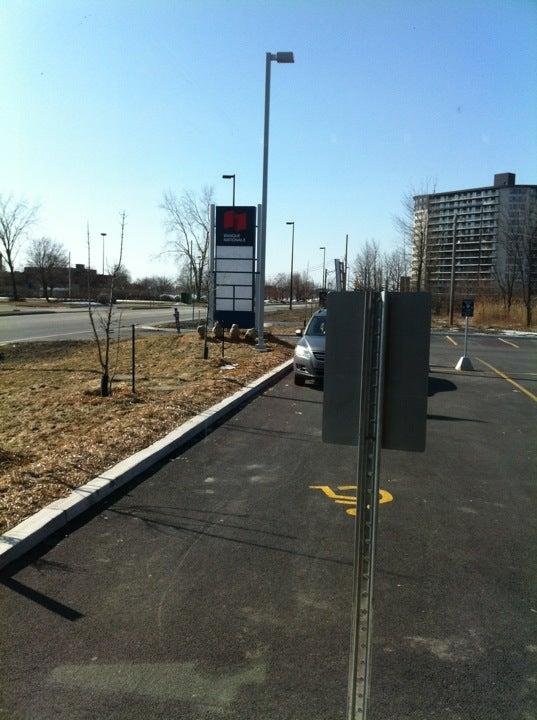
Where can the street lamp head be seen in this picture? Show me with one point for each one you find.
(322, 248)
(103, 234)
(228, 177)
(285, 57)
(290, 222)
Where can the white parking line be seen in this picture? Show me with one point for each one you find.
(507, 342)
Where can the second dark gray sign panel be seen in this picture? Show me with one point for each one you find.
(406, 369)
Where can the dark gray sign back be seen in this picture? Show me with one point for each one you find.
(406, 369)
(343, 367)
(406, 377)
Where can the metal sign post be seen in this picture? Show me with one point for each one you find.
(211, 295)
(467, 310)
(369, 445)
(375, 396)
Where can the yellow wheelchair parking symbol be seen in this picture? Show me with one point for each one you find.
(384, 496)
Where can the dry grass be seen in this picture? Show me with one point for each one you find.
(56, 432)
(489, 314)
(296, 315)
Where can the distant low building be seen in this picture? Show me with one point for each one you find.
(29, 282)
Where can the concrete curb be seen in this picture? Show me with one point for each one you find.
(30, 532)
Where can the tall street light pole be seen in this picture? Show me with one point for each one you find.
(279, 57)
(103, 235)
(452, 280)
(324, 263)
(231, 177)
(291, 222)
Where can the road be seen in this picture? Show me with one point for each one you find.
(72, 325)
(219, 585)
(75, 325)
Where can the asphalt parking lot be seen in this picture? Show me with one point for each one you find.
(219, 585)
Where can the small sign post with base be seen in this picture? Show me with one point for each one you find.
(467, 310)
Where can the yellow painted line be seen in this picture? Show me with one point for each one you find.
(331, 494)
(509, 380)
(451, 340)
(384, 496)
(507, 342)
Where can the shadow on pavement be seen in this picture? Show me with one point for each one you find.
(41, 599)
(133, 510)
(454, 419)
(292, 399)
(204, 532)
(302, 437)
(437, 385)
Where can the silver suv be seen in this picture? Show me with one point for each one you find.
(309, 352)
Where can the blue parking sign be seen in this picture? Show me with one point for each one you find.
(467, 309)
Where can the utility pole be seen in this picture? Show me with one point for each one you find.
(69, 276)
(346, 263)
(452, 282)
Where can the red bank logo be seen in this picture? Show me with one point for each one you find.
(235, 221)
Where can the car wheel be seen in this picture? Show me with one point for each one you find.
(299, 380)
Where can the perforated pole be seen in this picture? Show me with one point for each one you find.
(367, 496)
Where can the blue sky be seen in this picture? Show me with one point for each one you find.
(108, 104)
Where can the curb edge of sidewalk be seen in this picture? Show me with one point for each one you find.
(34, 529)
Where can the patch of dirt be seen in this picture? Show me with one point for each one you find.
(57, 432)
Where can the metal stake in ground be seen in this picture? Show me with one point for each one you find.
(133, 359)
(177, 319)
(467, 311)
(205, 346)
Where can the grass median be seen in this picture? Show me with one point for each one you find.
(56, 432)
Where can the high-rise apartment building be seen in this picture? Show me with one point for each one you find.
(477, 220)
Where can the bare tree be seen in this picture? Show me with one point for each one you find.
(104, 320)
(395, 266)
(150, 288)
(188, 220)
(47, 257)
(303, 287)
(524, 233)
(412, 225)
(16, 217)
(277, 288)
(505, 269)
(368, 270)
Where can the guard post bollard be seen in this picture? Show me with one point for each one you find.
(177, 320)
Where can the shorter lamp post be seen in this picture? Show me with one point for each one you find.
(103, 235)
(231, 177)
(291, 222)
(323, 248)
